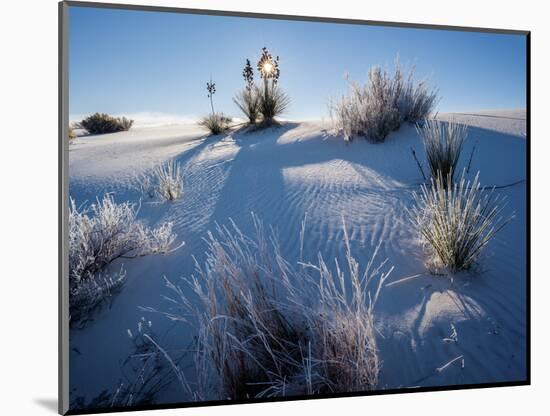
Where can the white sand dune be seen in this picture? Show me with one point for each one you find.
(282, 174)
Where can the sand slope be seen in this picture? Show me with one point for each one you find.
(285, 173)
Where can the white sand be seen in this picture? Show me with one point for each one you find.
(282, 174)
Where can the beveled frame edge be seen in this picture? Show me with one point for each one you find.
(63, 192)
(228, 13)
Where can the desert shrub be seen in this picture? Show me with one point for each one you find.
(100, 123)
(456, 220)
(164, 180)
(269, 329)
(216, 123)
(443, 142)
(380, 106)
(98, 235)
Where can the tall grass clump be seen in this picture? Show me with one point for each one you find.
(164, 181)
(216, 123)
(380, 106)
(443, 142)
(100, 123)
(98, 235)
(270, 329)
(456, 220)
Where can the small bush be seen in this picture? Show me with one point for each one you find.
(72, 134)
(100, 234)
(164, 180)
(456, 220)
(216, 123)
(103, 123)
(380, 106)
(268, 329)
(443, 142)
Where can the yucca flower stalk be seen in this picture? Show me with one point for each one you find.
(211, 88)
(215, 122)
(248, 99)
(273, 101)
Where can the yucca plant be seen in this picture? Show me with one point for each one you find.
(457, 220)
(248, 99)
(248, 102)
(215, 122)
(443, 142)
(273, 103)
(273, 100)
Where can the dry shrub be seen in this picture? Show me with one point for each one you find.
(98, 235)
(269, 329)
(100, 123)
(380, 106)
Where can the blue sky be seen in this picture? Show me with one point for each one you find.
(125, 62)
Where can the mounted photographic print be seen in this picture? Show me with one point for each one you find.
(263, 207)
